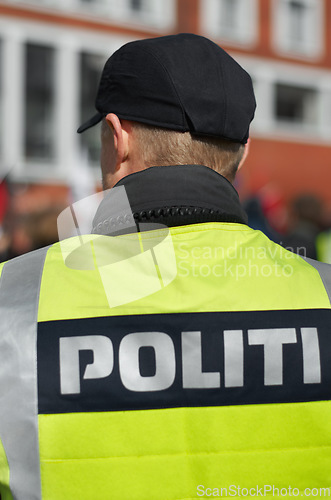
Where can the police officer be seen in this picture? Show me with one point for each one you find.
(174, 352)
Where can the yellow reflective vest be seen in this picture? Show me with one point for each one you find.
(214, 382)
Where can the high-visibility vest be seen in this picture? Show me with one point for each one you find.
(215, 382)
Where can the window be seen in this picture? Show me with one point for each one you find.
(136, 5)
(297, 14)
(296, 105)
(87, 2)
(39, 3)
(143, 10)
(294, 100)
(155, 14)
(48, 83)
(39, 137)
(229, 16)
(90, 70)
(298, 26)
(232, 20)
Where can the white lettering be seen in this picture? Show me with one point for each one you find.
(193, 377)
(131, 364)
(101, 367)
(200, 490)
(164, 361)
(233, 358)
(311, 356)
(272, 339)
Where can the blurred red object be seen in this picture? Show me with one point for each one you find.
(4, 199)
(274, 207)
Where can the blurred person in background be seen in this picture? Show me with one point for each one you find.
(323, 242)
(257, 219)
(306, 222)
(220, 376)
(22, 233)
(34, 230)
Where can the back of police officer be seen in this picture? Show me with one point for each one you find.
(174, 352)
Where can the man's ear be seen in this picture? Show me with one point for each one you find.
(246, 151)
(121, 139)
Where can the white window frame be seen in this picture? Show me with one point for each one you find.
(246, 33)
(266, 73)
(157, 15)
(68, 44)
(312, 47)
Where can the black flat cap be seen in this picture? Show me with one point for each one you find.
(180, 82)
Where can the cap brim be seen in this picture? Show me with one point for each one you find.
(90, 123)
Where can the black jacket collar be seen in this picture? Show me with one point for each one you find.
(178, 195)
(195, 187)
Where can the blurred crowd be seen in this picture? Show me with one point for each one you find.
(302, 226)
(27, 221)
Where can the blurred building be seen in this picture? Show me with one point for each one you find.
(52, 51)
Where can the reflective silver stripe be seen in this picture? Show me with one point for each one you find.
(19, 297)
(324, 272)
